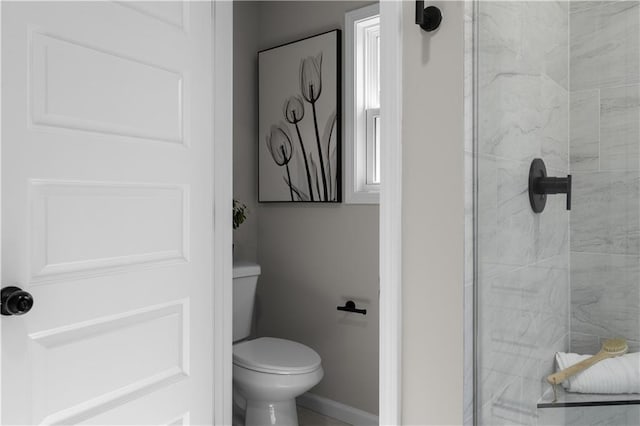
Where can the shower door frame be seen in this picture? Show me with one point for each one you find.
(470, 386)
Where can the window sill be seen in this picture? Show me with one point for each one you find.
(362, 197)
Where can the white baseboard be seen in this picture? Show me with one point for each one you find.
(337, 410)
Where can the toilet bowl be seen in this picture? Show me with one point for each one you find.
(268, 374)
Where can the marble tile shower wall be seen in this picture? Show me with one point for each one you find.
(522, 113)
(605, 163)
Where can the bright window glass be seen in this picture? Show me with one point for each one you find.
(363, 105)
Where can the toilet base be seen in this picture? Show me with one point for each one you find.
(269, 399)
(261, 413)
(239, 406)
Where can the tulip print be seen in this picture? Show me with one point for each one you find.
(311, 88)
(302, 196)
(314, 166)
(299, 118)
(311, 78)
(294, 109)
(279, 145)
(294, 113)
(332, 153)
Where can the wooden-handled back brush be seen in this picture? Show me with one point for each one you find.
(611, 348)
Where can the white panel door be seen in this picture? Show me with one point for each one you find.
(107, 212)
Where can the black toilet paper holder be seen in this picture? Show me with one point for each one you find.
(350, 306)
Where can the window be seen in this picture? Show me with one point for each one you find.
(362, 101)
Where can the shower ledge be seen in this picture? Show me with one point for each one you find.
(568, 399)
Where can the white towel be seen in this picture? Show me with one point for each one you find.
(610, 376)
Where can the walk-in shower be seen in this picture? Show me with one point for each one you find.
(557, 82)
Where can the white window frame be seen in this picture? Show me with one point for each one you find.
(372, 182)
(362, 31)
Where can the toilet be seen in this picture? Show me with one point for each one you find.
(268, 373)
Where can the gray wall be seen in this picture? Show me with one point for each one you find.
(605, 163)
(523, 279)
(433, 219)
(245, 125)
(313, 258)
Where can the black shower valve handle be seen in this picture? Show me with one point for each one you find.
(569, 186)
(541, 185)
(554, 185)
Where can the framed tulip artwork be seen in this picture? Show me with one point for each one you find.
(299, 139)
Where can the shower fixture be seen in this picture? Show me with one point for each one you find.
(540, 185)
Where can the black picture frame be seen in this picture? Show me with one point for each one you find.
(289, 167)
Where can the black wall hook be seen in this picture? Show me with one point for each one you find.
(429, 19)
(540, 185)
(350, 306)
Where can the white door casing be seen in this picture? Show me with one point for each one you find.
(392, 22)
(223, 193)
(107, 195)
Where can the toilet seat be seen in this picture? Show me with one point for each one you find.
(275, 356)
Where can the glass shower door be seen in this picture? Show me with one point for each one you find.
(557, 81)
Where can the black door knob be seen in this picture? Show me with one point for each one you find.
(15, 301)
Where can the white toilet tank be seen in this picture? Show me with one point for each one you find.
(245, 281)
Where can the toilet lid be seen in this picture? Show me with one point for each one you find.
(276, 356)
